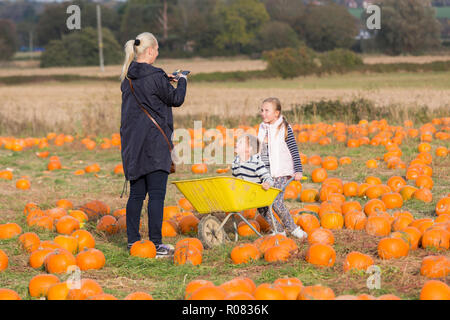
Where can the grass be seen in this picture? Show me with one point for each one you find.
(123, 274)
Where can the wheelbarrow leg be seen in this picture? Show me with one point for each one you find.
(236, 235)
(273, 219)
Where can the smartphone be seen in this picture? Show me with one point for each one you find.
(176, 72)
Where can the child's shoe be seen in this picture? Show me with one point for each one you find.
(283, 233)
(299, 233)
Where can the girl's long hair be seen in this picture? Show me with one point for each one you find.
(131, 51)
(277, 104)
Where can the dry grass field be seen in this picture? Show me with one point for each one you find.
(75, 106)
(197, 65)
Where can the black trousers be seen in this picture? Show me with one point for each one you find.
(153, 183)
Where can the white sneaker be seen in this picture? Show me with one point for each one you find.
(275, 233)
(299, 233)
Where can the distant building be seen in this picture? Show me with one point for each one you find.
(363, 35)
(366, 3)
(351, 4)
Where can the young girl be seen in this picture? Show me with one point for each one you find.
(280, 154)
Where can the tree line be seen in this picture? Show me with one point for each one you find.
(186, 28)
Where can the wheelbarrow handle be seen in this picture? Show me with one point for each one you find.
(287, 183)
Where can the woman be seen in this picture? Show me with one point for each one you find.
(146, 156)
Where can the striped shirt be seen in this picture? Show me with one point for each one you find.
(252, 170)
(292, 146)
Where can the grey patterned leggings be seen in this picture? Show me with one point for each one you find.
(279, 208)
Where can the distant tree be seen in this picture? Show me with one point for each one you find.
(276, 35)
(194, 26)
(288, 11)
(80, 48)
(52, 21)
(155, 16)
(328, 26)
(240, 20)
(407, 26)
(7, 39)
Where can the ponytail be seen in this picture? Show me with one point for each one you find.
(286, 126)
(129, 57)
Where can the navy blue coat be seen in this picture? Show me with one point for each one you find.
(144, 148)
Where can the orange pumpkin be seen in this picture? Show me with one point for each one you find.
(308, 222)
(59, 261)
(357, 260)
(443, 206)
(392, 200)
(108, 224)
(199, 168)
(350, 189)
(435, 267)
(188, 224)
(67, 225)
(316, 292)
(321, 235)
(3, 260)
(194, 285)
(244, 253)
(378, 226)
(435, 290)
(8, 294)
(39, 284)
(374, 207)
(23, 184)
(355, 220)
(143, 249)
(424, 181)
(194, 242)
(186, 254)
(321, 255)
(319, 175)
(332, 220)
(290, 286)
(436, 238)
(266, 291)
(423, 194)
(84, 239)
(185, 204)
(244, 229)
(139, 296)
(90, 259)
(9, 230)
(389, 248)
(88, 288)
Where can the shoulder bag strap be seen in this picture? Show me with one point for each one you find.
(149, 116)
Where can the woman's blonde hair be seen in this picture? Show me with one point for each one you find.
(277, 104)
(146, 39)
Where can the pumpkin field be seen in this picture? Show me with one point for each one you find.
(375, 206)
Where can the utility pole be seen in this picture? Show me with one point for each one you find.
(100, 38)
(30, 36)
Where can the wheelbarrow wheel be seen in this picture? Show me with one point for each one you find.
(210, 232)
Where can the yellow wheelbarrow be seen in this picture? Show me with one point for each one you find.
(225, 194)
